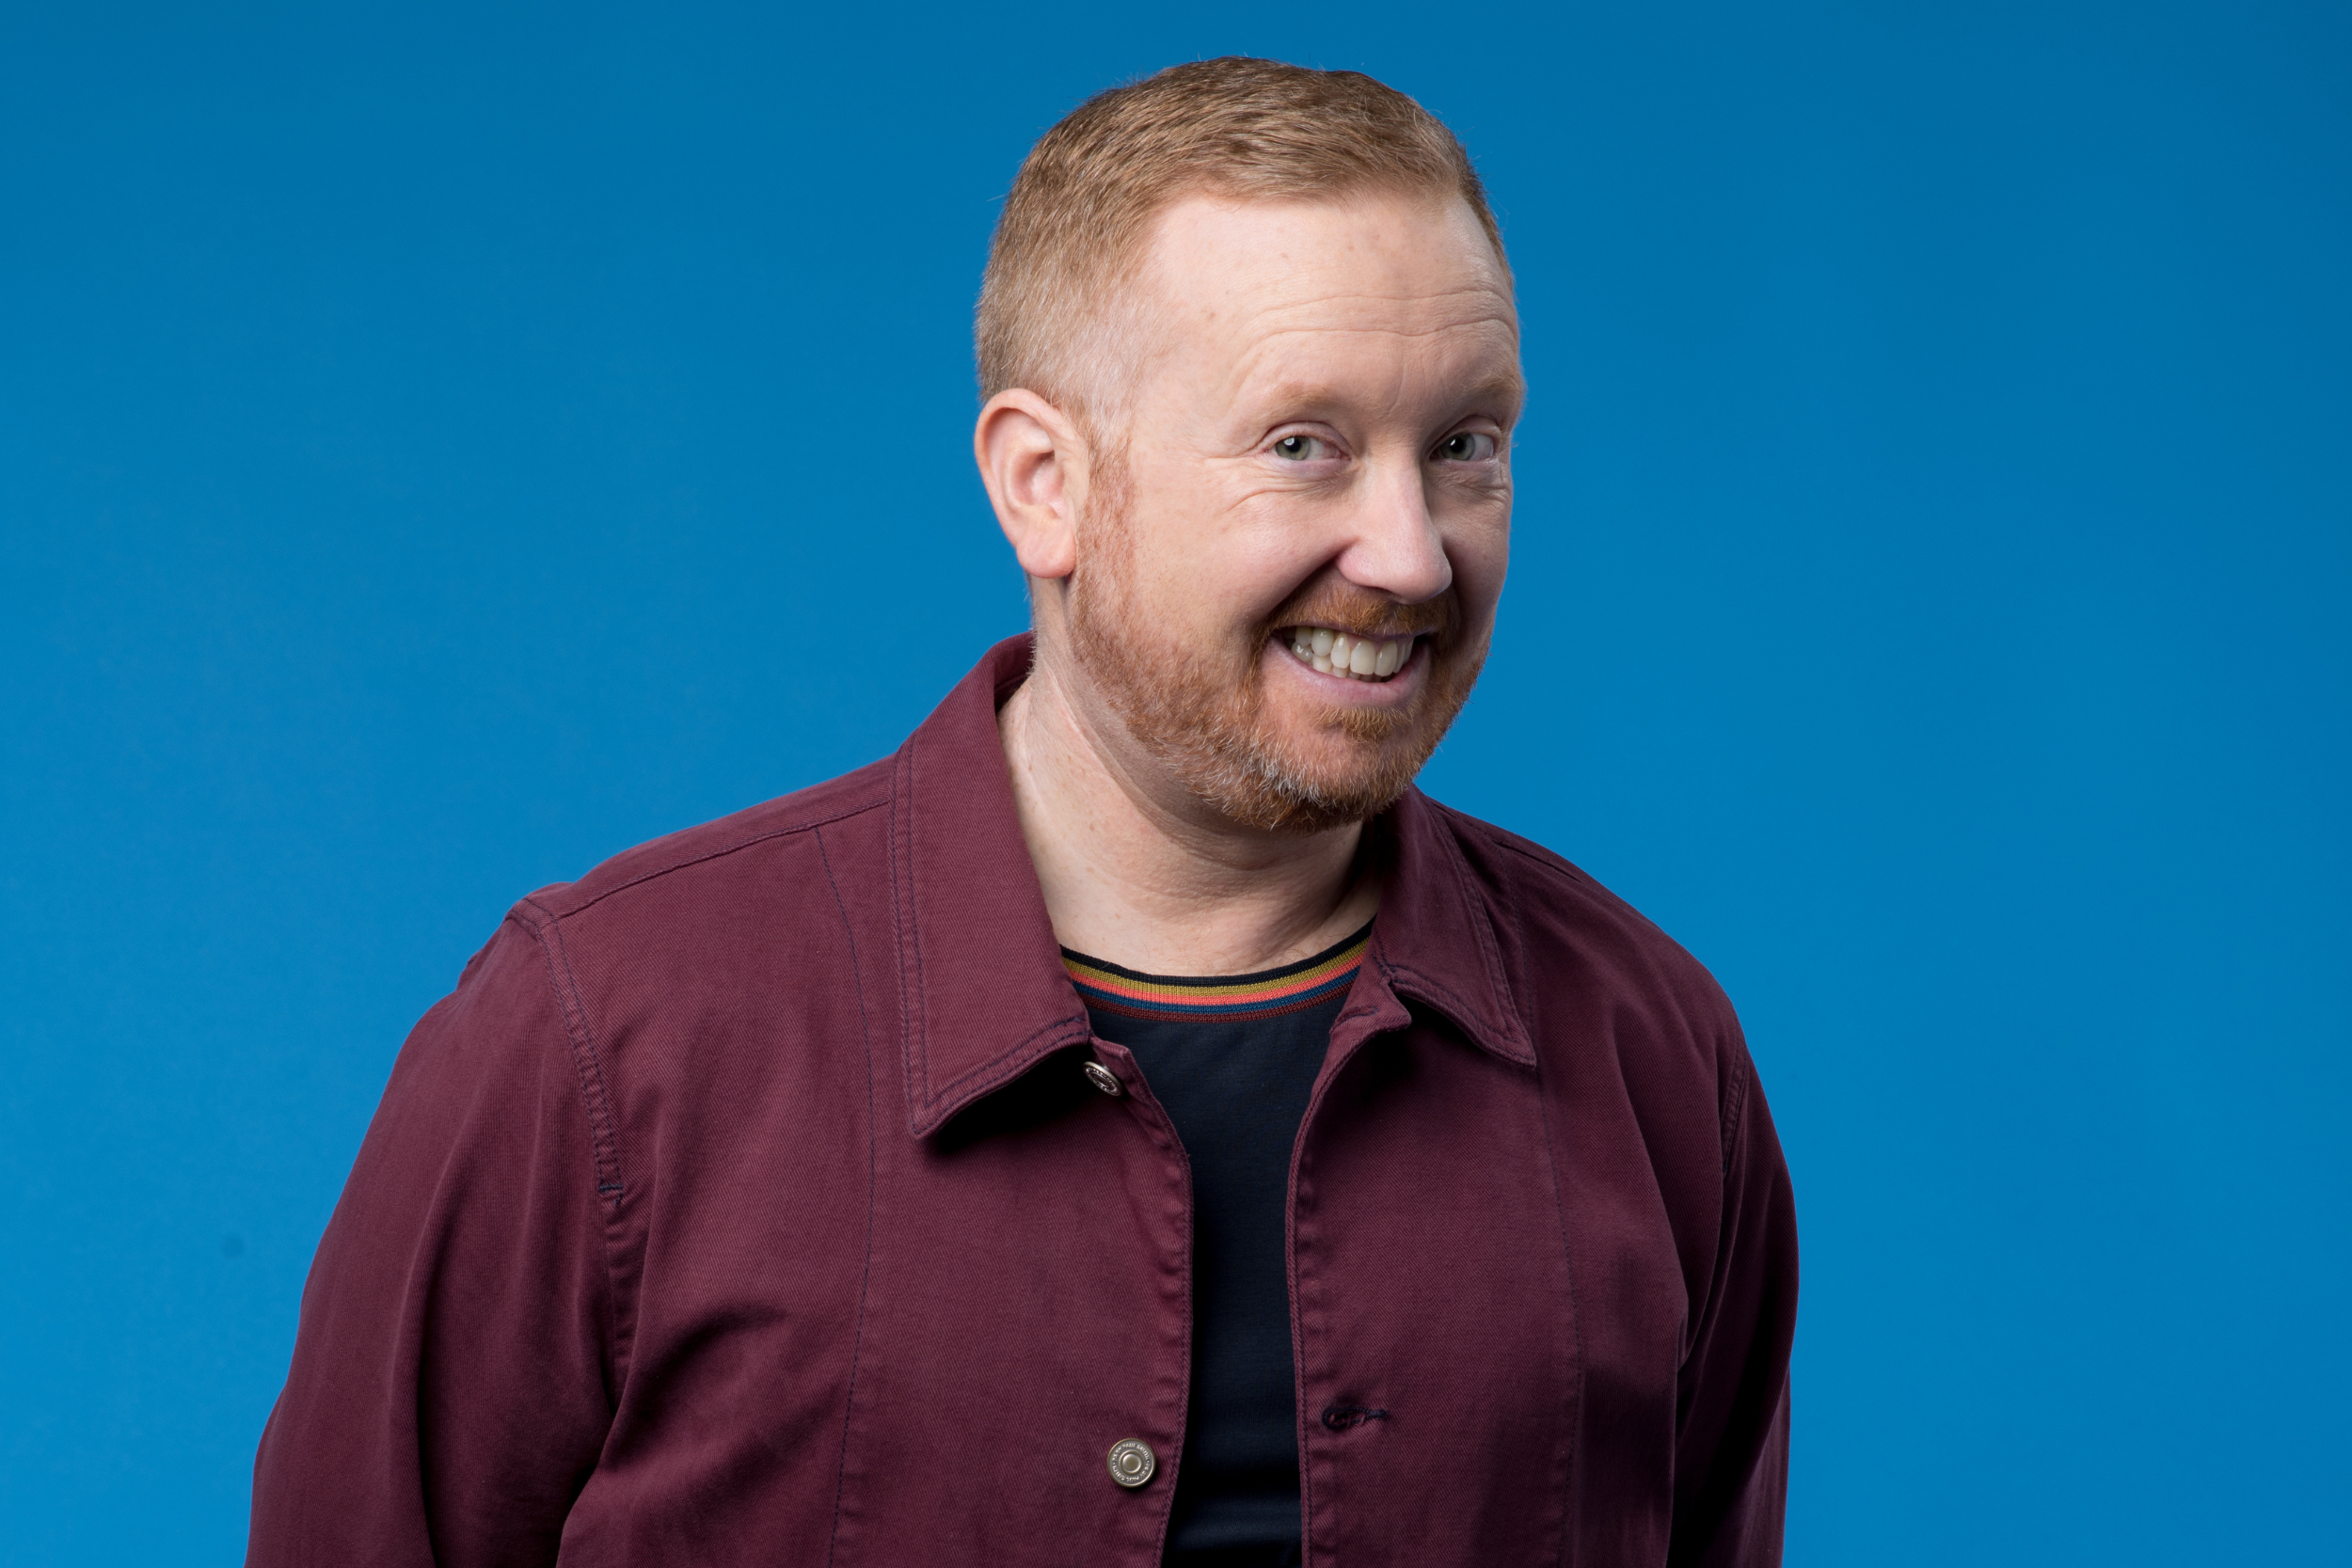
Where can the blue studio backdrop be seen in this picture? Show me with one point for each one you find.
(442, 447)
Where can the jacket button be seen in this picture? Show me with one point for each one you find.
(1105, 1079)
(1132, 1463)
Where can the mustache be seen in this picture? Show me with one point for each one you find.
(1362, 614)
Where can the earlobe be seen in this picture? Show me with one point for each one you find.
(1031, 459)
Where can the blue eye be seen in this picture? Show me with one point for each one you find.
(1298, 449)
(1466, 447)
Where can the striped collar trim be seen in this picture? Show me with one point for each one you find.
(1306, 984)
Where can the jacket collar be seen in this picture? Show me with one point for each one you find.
(985, 996)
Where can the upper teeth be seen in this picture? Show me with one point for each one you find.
(1335, 652)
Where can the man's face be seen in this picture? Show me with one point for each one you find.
(1286, 580)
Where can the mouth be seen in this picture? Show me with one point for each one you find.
(1375, 659)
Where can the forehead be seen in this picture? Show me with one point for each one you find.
(1233, 277)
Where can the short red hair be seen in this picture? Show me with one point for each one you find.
(1074, 224)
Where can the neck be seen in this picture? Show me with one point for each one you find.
(1138, 872)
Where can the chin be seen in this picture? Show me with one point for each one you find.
(1317, 771)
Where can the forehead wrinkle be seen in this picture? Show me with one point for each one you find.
(1234, 311)
(1322, 391)
(1268, 327)
(1267, 339)
(1492, 305)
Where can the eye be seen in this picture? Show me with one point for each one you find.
(1467, 446)
(1301, 448)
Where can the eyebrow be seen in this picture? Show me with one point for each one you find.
(1510, 387)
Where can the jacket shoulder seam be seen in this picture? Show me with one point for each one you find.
(603, 1140)
(1737, 1066)
(604, 1143)
(1736, 1102)
(724, 850)
(1535, 854)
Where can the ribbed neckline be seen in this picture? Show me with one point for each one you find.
(1305, 983)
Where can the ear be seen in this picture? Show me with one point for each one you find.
(1034, 463)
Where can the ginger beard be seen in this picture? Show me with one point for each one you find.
(1201, 712)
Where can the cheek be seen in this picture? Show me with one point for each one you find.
(1216, 571)
(1480, 553)
(1199, 586)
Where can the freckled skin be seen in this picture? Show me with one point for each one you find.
(1378, 327)
(1285, 462)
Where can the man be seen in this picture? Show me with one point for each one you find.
(1130, 1124)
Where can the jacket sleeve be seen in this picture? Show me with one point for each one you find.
(449, 1388)
(1731, 1441)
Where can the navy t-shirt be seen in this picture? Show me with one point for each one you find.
(1232, 1059)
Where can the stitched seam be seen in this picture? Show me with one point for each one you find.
(602, 1140)
(914, 920)
(1623, 914)
(615, 1354)
(1703, 1321)
(1457, 1011)
(1568, 1260)
(809, 825)
(1071, 1027)
(1483, 925)
(1441, 992)
(922, 1094)
(911, 993)
(1576, 1317)
(1299, 1176)
(1004, 1069)
(1541, 857)
(873, 1139)
(1736, 1105)
(1163, 1134)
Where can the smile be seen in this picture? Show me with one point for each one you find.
(1337, 653)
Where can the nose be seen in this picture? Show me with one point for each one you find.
(1395, 550)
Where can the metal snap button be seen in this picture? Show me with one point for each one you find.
(1132, 1462)
(1105, 1079)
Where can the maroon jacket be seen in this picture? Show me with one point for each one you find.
(746, 1203)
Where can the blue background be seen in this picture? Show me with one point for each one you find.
(439, 448)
